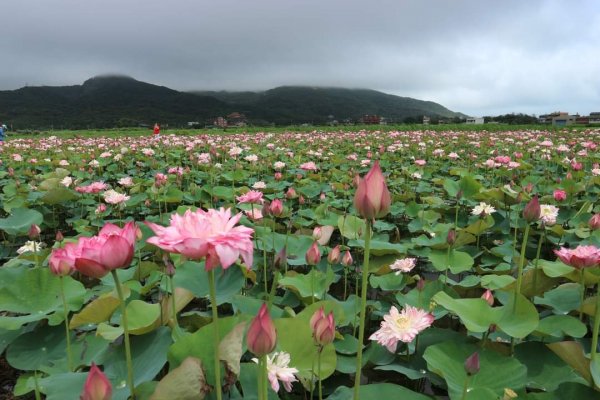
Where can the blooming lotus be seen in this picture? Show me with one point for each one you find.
(278, 369)
(113, 248)
(403, 265)
(401, 326)
(580, 257)
(211, 234)
(251, 197)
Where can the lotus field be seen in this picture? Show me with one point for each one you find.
(341, 265)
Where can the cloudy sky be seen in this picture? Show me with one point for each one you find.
(474, 56)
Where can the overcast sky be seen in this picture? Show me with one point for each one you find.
(474, 56)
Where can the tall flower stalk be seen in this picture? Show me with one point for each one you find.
(371, 200)
(130, 381)
(216, 338)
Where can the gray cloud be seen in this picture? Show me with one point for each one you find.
(478, 57)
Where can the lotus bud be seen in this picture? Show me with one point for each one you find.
(290, 194)
(323, 327)
(169, 266)
(96, 386)
(488, 296)
(569, 175)
(265, 209)
(317, 233)
(355, 180)
(594, 222)
(421, 284)
(34, 231)
(278, 176)
(276, 208)
(347, 259)
(59, 237)
(560, 195)
(313, 255)
(459, 195)
(372, 198)
(334, 255)
(451, 238)
(472, 364)
(532, 210)
(262, 336)
(301, 200)
(528, 188)
(322, 196)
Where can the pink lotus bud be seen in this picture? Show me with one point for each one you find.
(276, 208)
(372, 198)
(34, 231)
(11, 171)
(532, 210)
(147, 203)
(472, 364)
(290, 194)
(301, 200)
(488, 296)
(334, 255)
(317, 233)
(169, 266)
(421, 284)
(451, 238)
(347, 259)
(569, 175)
(97, 386)
(313, 255)
(322, 197)
(278, 176)
(560, 195)
(59, 236)
(262, 336)
(355, 181)
(266, 209)
(323, 327)
(594, 222)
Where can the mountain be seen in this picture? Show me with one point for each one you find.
(120, 101)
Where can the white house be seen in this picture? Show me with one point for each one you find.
(475, 120)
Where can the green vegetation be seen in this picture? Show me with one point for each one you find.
(113, 101)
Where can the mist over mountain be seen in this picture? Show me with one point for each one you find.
(119, 101)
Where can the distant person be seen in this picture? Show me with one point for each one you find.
(2, 134)
(156, 130)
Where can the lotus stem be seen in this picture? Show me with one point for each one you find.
(67, 332)
(319, 373)
(596, 325)
(126, 333)
(263, 373)
(537, 259)
(216, 340)
(582, 296)
(363, 308)
(521, 264)
(174, 304)
(465, 388)
(261, 382)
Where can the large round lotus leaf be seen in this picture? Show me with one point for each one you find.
(496, 371)
(20, 220)
(59, 195)
(185, 382)
(351, 227)
(517, 319)
(193, 277)
(456, 261)
(545, 370)
(377, 391)
(37, 349)
(36, 294)
(475, 314)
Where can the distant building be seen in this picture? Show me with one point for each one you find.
(582, 120)
(547, 118)
(595, 118)
(193, 124)
(236, 119)
(220, 122)
(371, 119)
(426, 120)
(564, 119)
(475, 120)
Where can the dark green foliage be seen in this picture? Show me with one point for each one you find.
(118, 101)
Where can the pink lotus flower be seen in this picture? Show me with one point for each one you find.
(347, 259)
(594, 222)
(62, 260)
(262, 337)
(420, 163)
(251, 197)
(334, 255)
(403, 265)
(97, 386)
(211, 234)
(95, 187)
(309, 166)
(254, 214)
(580, 257)
(313, 255)
(276, 208)
(401, 326)
(111, 249)
(488, 297)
